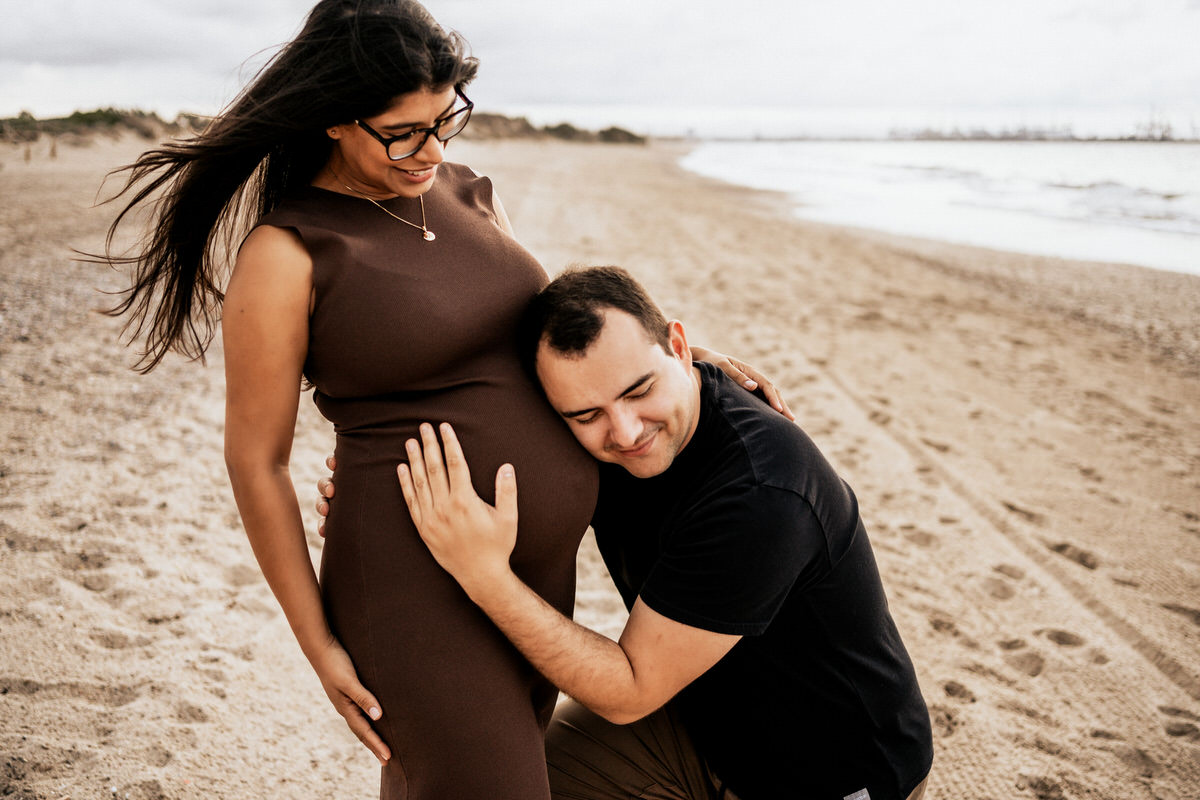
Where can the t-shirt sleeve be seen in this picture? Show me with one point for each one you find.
(733, 559)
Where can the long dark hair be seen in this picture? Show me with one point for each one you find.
(351, 60)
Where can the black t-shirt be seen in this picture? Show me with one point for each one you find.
(750, 531)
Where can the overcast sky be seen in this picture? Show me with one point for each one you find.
(169, 55)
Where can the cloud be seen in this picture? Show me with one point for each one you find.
(854, 53)
(166, 54)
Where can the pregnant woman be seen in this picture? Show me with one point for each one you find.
(389, 280)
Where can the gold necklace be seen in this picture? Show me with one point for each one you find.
(427, 234)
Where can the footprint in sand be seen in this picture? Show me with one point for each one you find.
(943, 623)
(15, 540)
(1182, 724)
(1026, 514)
(85, 567)
(1192, 614)
(112, 696)
(1188, 515)
(958, 691)
(989, 673)
(1026, 711)
(1137, 760)
(1062, 638)
(115, 640)
(43, 761)
(1042, 787)
(158, 756)
(13, 771)
(1183, 730)
(1080, 556)
(1009, 571)
(96, 582)
(921, 538)
(927, 477)
(180, 738)
(941, 447)
(186, 712)
(1029, 662)
(944, 721)
(998, 589)
(1043, 745)
(143, 790)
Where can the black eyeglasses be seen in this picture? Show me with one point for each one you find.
(406, 144)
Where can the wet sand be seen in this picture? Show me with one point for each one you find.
(1023, 435)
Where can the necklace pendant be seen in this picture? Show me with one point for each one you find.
(429, 236)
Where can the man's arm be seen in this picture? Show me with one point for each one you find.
(622, 681)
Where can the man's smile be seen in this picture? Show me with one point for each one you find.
(637, 450)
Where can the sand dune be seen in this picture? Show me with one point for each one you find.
(1023, 435)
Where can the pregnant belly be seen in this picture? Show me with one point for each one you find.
(556, 479)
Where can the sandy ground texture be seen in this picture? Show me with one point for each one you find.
(1023, 434)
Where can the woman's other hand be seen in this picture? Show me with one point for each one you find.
(350, 697)
(325, 494)
(747, 376)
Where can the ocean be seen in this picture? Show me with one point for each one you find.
(1124, 202)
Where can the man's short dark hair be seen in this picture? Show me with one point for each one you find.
(568, 314)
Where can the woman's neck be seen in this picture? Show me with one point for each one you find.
(336, 176)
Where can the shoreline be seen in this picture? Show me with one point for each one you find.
(1027, 475)
(1018, 197)
(1166, 302)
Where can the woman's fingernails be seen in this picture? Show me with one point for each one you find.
(374, 712)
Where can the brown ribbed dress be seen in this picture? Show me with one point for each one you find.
(405, 331)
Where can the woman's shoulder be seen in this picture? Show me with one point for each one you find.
(460, 172)
(470, 187)
(464, 179)
(274, 244)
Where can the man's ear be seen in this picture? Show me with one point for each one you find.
(677, 341)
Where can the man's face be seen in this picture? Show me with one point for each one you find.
(627, 400)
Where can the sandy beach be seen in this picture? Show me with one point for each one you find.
(1023, 434)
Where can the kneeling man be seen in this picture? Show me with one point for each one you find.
(759, 660)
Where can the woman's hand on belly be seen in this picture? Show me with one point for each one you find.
(470, 539)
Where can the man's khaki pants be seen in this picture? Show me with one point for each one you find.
(590, 758)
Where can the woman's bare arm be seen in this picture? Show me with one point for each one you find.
(265, 330)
